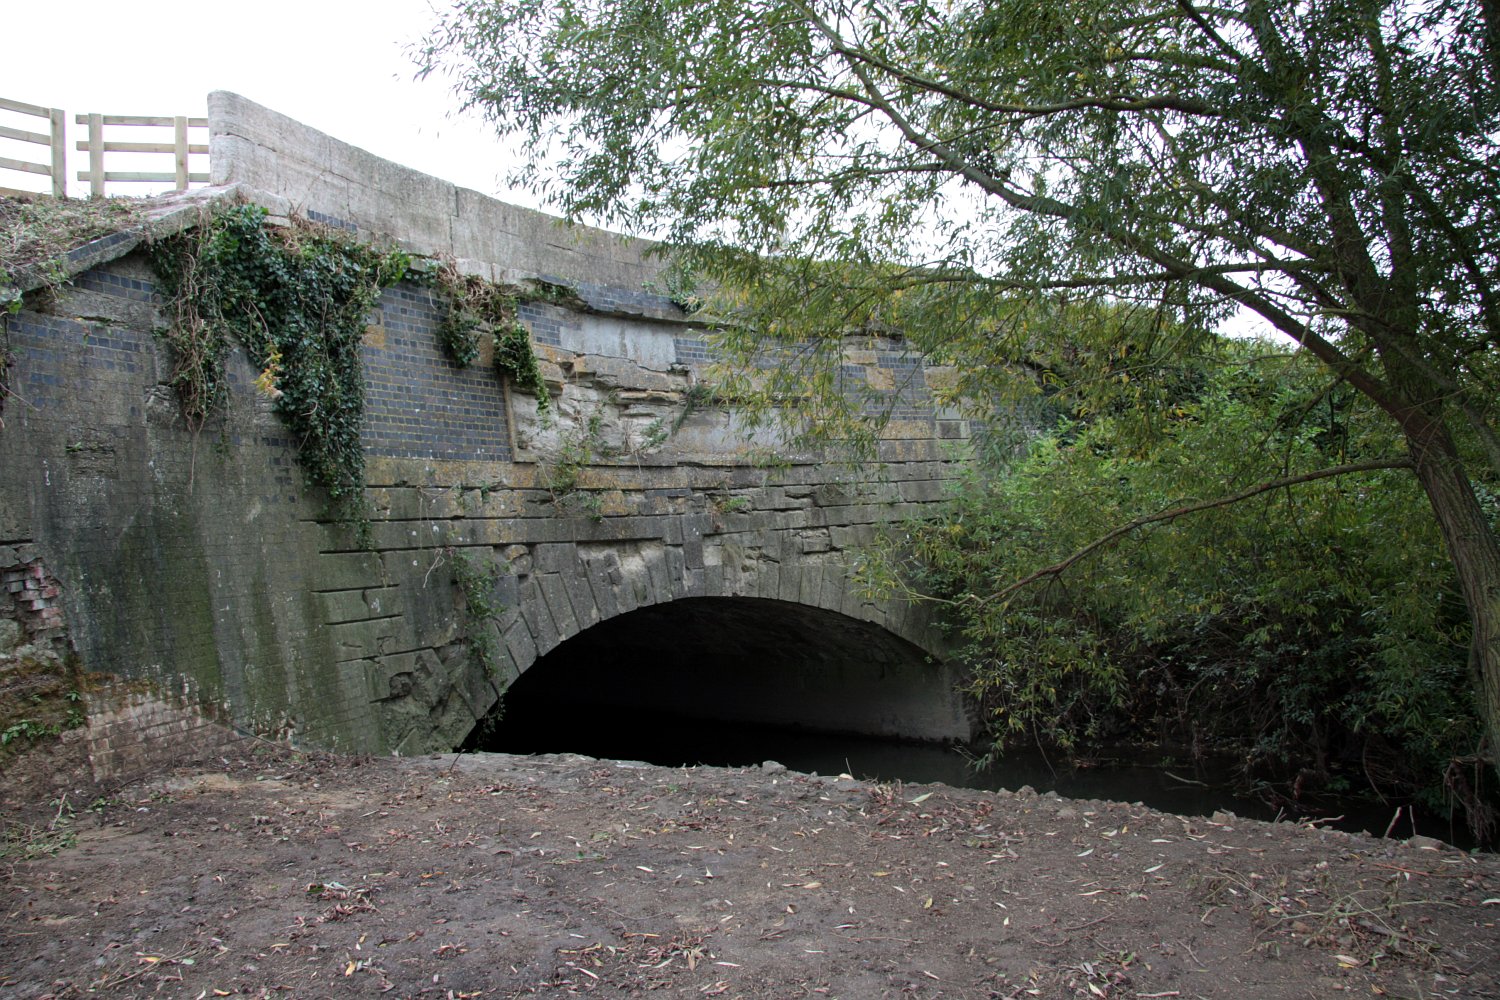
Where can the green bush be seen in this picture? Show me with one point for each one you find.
(1317, 629)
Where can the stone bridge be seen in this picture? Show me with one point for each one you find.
(636, 528)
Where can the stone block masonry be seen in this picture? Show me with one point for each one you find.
(201, 570)
(290, 167)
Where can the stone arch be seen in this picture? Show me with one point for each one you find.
(898, 678)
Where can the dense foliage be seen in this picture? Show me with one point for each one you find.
(298, 299)
(955, 172)
(1316, 629)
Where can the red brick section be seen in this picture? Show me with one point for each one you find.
(134, 733)
(34, 592)
(132, 730)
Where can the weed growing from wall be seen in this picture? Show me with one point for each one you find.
(470, 301)
(562, 475)
(514, 357)
(6, 360)
(475, 580)
(297, 299)
(477, 308)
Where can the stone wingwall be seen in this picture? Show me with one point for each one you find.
(199, 564)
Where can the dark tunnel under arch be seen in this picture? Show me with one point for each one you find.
(730, 660)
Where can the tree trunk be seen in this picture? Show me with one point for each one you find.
(1475, 551)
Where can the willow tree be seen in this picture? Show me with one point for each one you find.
(953, 170)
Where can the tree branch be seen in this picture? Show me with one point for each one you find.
(1149, 102)
(1058, 568)
(1319, 347)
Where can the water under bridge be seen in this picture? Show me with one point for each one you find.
(682, 572)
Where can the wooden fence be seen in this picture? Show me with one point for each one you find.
(53, 138)
(99, 147)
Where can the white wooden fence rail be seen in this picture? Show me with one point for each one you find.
(53, 138)
(99, 147)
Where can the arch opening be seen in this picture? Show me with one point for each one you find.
(726, 672)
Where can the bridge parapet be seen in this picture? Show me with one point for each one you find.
(292, 168)
(200, 562)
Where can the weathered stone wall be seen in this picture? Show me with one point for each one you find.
(181, 559)
(199, 563)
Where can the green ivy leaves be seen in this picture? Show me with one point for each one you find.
(476, 306)
(297, 298)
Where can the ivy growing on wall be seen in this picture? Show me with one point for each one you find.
(477, 307)
(475, 580)
(297, 298)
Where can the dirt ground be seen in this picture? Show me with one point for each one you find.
(269, 873)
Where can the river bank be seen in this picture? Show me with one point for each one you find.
(264, 872)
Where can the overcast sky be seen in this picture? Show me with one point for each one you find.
(337, 65)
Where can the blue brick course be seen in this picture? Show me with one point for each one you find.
(122, 286)
(418, 402)
(58, 358)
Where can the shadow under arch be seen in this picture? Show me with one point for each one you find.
(728, 660)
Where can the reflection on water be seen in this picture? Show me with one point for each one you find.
(1137, 776)
(673, 741)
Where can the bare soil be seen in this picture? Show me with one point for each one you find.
(270, 873)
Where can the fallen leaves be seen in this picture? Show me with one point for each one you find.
(801, 861)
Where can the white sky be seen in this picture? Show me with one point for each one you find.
(339, 66)
(336, 65)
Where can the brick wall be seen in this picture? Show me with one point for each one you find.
(31, 593)
(179, 558)
(133, 733)
(418, 402)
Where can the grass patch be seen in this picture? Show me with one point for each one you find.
(40, 699)
(36, 232)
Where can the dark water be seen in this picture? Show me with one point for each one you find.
(1134, 776)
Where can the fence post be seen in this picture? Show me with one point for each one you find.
(59, 152)
(180, 125)
(96, 156)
